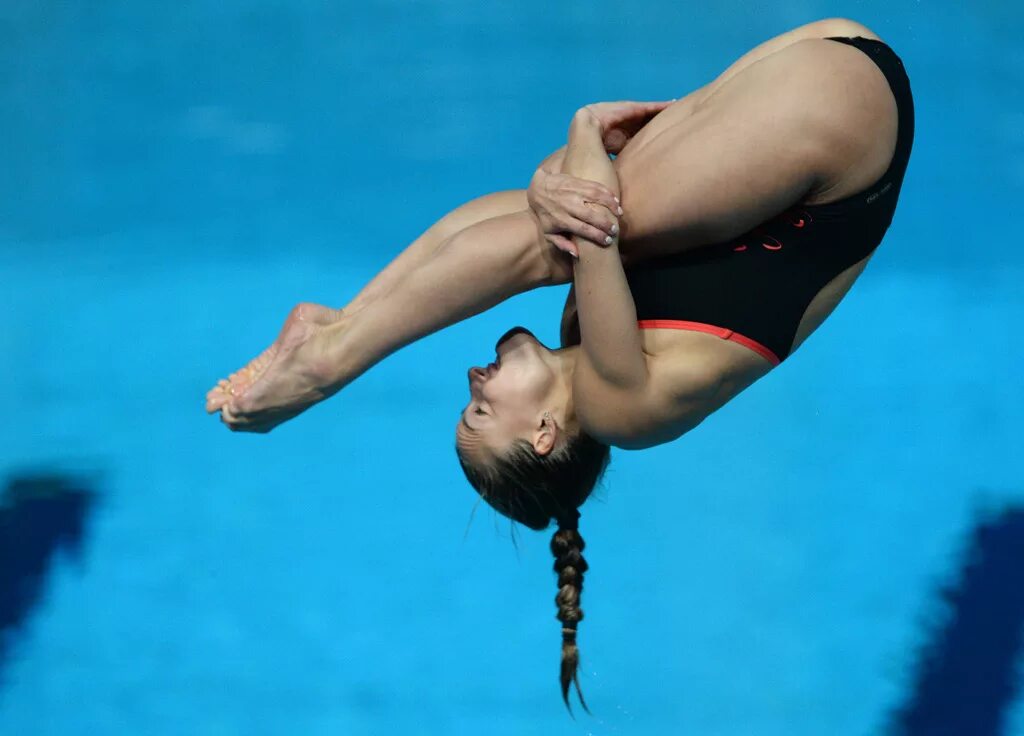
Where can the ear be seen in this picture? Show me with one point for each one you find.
(545, 435)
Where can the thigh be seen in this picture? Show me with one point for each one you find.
(826, 300)
(685, 106)
(788, 126)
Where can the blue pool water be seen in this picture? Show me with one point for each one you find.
(832, 553)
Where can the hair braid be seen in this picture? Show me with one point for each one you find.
(534, 489)
(567, 546)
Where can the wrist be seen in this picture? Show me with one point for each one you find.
(589, 251)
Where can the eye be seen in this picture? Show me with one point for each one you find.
(479, 411)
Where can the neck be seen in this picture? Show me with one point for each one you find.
(563, 363)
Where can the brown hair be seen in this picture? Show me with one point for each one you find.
(535, 489)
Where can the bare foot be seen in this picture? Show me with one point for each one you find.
(280, 382)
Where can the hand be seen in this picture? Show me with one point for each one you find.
(559, 203)
(620, 121)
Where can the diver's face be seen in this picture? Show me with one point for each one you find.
(506, 397)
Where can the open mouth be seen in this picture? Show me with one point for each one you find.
(512, 333)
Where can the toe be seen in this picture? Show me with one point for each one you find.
(227, 416)
(215, 399)
(220, 395)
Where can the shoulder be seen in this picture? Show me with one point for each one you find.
(672, 400)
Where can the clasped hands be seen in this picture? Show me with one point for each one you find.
(561, 202)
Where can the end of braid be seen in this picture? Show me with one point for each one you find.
(567, 546)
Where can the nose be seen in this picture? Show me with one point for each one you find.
(476, 380)
(482, 374)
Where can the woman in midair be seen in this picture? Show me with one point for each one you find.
(748, 209)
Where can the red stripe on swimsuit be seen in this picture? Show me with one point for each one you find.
(722, 332)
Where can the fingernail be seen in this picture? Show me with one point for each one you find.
(616, 199)
(608, 240)
(574, 254)
(620, 210)
(615, 229)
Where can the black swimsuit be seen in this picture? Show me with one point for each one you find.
(755, 289)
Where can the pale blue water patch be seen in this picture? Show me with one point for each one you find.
(178, 177)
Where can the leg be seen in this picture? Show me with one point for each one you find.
(419, 252)
(495, 205)
(688, 104)
(421, 249)
(470, 272)
(477, 210)
(814, 119)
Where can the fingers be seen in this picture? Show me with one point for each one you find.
(615, 140)
(601, 195)
(595, 223)
(574, 196)
(566, 207)
(563, 187)
(564, 244)
(587, 231)
(648, 106)
(625, 113)
(602, 217)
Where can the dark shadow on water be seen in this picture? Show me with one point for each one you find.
(967, 676)
(39, 515)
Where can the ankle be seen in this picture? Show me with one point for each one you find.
(331, 364)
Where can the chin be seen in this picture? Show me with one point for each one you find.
(519, 339)
(516, 336)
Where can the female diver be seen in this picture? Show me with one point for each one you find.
(748, 209)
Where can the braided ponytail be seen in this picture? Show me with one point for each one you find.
(532, 489)
(567, 546)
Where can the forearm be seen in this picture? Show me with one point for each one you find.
(475, 269)
(610, 338)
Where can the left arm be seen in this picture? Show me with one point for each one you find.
(611, 348)
(615, 398)
(621, 397)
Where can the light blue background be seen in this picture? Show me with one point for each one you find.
(177, 175)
